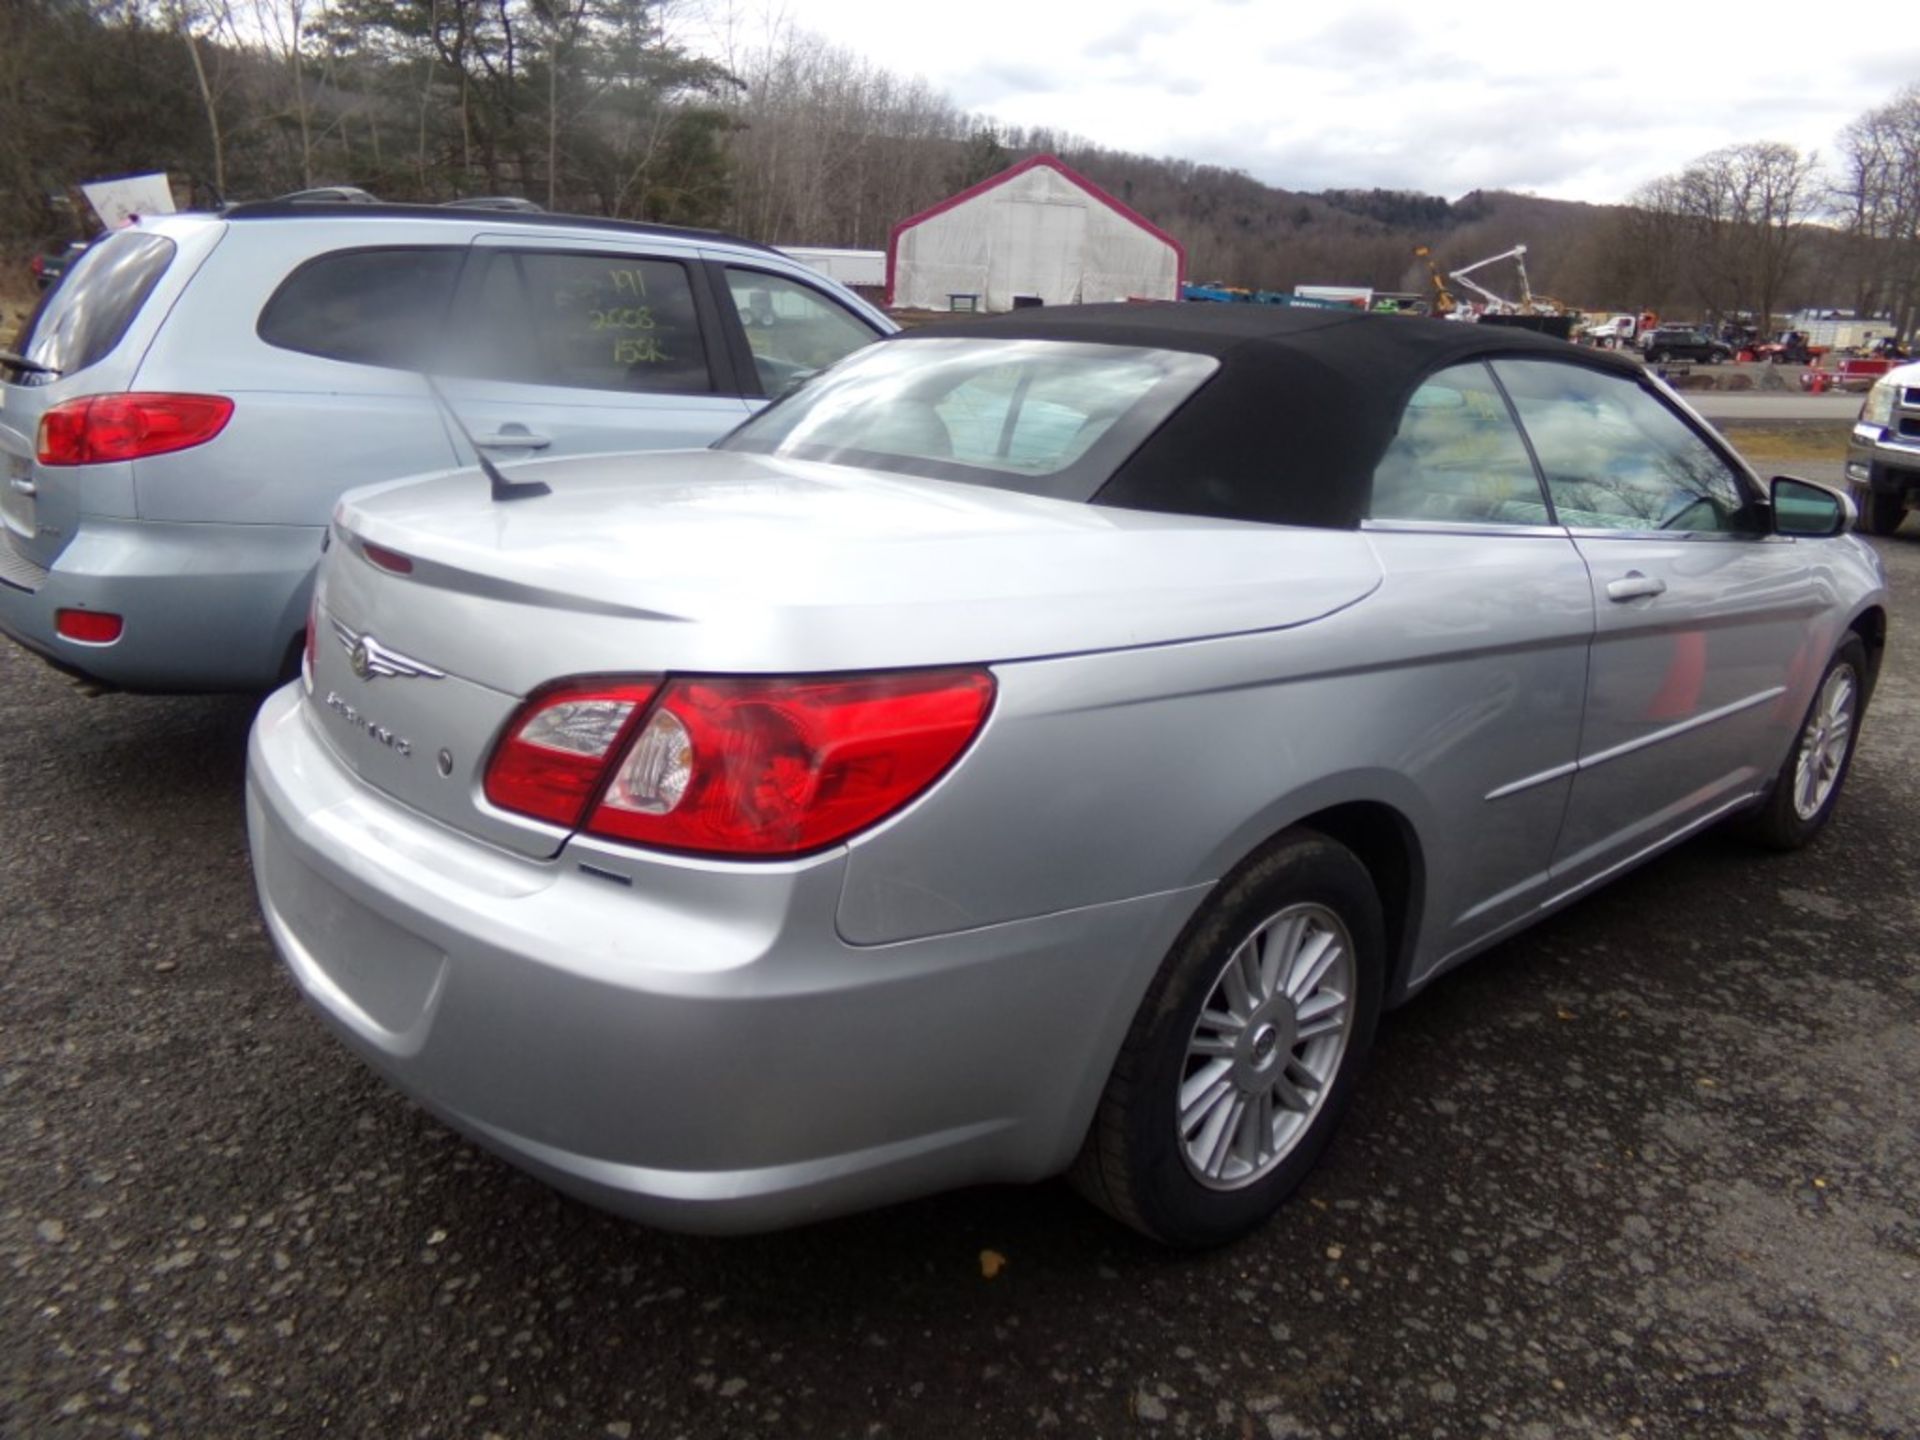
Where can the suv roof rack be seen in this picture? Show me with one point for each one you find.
(516, 203)
(284, 209)
(330, 195)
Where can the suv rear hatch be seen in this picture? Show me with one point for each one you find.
(710, 562)
(84, 338)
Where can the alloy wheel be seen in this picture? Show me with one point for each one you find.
(1268, 1043)
(1824, 742)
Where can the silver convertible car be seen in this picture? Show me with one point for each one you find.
(1039, 744)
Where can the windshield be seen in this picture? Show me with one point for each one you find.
(1044, 417)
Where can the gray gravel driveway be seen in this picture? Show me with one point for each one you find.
(1652, 1169)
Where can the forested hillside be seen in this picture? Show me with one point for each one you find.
(603, 107)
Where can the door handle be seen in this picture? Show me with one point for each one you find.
(513, 437)
(24, 487)
(1635, 586)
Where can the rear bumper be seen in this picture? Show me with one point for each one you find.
(696, 1047)
(207, 607)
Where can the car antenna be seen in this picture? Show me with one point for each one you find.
(503, 488)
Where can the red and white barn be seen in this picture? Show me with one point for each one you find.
(1037, 231)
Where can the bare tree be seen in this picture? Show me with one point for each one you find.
(1876, 200)
(282, 27)
(206, 28)
(1728, 229)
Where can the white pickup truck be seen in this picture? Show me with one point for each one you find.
(1883, 457)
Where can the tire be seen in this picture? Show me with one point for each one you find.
(1881, 511)
(1656, 357)
(1796, 810)
(1313, 900)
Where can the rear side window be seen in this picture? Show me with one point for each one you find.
(81, 319)
(1458, 457)
(609, 322)
(367, 307)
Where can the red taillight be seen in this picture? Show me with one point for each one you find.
(99, 428)
(390, 560)
(775, 767)
(743, 766)
(558, 744)
(89, 627)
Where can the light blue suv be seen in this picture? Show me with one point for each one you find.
(185, 407)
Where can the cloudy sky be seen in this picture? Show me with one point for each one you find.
(1580, 102)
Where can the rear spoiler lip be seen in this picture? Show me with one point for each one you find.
(483, 586)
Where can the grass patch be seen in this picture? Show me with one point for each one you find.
(1818, 440)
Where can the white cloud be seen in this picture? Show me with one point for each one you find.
(1581, 102)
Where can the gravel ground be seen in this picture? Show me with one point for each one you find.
(1649, 1170)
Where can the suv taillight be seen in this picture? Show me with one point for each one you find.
(98, 428)
(742, 766)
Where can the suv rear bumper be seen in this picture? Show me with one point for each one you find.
(207, 607)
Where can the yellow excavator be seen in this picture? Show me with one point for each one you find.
(1443, 302)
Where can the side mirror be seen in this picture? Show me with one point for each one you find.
(1802, 508)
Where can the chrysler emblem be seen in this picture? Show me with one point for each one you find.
(371, 660)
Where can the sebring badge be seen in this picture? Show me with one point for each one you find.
(379, 734)
(371, 660)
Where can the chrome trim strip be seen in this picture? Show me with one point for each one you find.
(1391, 526)
(1685, 537)
(1588, 762)
(1514, 787)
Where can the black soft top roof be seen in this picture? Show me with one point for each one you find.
(1304, 404)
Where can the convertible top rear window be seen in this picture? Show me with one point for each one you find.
(1043, 417)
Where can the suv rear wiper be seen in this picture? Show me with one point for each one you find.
(503, 488)
(25, 366)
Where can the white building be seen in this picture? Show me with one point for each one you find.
(862, 269)
(1035, 232)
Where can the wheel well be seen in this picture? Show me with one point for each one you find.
(1385, 843)
(1871, 627)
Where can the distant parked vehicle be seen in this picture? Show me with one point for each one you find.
(1883, 455)
(49, 266)
(191, 400)
(1789, 347)
(1613, 332)
(1686, 342)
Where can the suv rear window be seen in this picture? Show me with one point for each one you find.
(367, 307)
(80, 320)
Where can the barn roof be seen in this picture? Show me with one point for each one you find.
(1059, 167)
(1034, 162)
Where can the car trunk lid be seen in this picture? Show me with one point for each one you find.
(715, 562)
